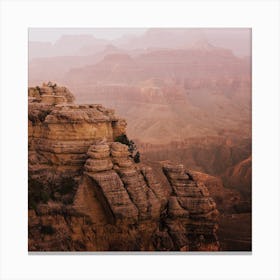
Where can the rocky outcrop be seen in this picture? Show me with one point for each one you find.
(226, 199)
(127, 192)
(108, 185)
(92, 196)
(192, 213)
(60, 132)
(50, 94)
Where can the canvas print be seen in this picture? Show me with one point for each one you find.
(139, 139)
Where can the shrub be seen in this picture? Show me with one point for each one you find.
(122, 139)
(137, 157)
(131, 147)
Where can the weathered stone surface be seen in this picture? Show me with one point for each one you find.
(61, 132)
(112, 202)
(95, 165)
(99, 151)
(114, 196)
(50, 93)
(226, 199)
(197, 205)
(120, 155)
(116, 146)
(137, 191)
(175, 210)
(123, 162)
(193, 211)
(158, 189)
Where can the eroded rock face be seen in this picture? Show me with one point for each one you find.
(107, 202)
(50, 94)
(226, 199)
(192, 213)
(60, 132)
(127, 194)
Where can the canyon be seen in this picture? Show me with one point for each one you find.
(185, 101)
(87, 194)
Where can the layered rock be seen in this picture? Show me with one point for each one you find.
(50, 94)
(94, 197)
(226, 199)
(240, 175)
(126, 208)
(108, 185)
(120, 184)
(60, 132)
(192, 214)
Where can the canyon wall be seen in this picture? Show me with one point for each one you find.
(60, 132)
(86, 193)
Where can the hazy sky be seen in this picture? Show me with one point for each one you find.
(52, 34)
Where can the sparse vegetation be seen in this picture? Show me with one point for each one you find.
(134, 153)
(137, 157)
(37, 193)
(67, 190)
(122, 139)
(50, 84)
(42, 193)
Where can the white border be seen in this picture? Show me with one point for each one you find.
(262, 16)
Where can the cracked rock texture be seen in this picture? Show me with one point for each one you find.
(91, 196)
(60, 132)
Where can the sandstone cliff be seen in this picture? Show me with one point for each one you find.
(86, 193)
(60, 132)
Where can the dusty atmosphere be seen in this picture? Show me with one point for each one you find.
(139, 139)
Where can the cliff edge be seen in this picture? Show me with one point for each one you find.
(86, 193)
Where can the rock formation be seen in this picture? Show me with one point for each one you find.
(88, 194)
(60, 132)
(226, 199)
(192, 213)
